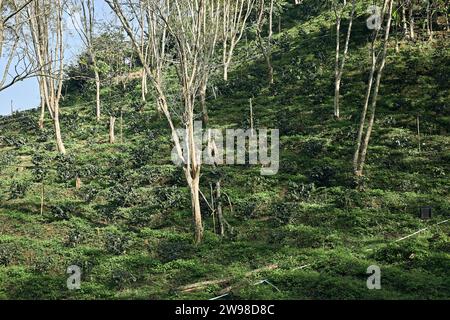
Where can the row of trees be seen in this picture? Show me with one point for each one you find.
(184, 36)
(401, 15)
(166, 36)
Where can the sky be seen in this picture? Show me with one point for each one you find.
(25, 94)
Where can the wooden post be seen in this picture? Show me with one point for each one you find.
(78, 183)
(251, 117)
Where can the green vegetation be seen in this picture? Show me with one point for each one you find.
(129, 225)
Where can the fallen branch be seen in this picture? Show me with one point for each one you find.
(203, 284)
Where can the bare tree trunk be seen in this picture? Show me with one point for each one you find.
(205, 116)
(266, 49)
(235, 14)
(362, 120)
(112, 137)
(144, 85)
(97, 94)
(418, 132)
(404, 24)
(428, 21)
(196, 210)
(121, 126)
(337, 82)
(42, 197)
(220, 217)
(41, 117)
(225, 71)
(411, 20)
(340, 62)
(251, 115)
(362, 156)
(59, 141)
(49, 59)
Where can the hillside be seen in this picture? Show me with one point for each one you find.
(129, 225)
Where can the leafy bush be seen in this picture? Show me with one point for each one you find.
(7, 253)
(284, 211)
(122, 278)
(75, 237)
(120, 195)
(88, 192)
(41, 166)
(64, 211)
(13, 141)
(313, 147)
(322, 175)
(65, 167)
(139, 217)
(141, 154)
(43, 263)
(169, 250)
(169, 197)
(400, 252)
(7, 158)
(18, 189)
(300, 192)
(116, 243)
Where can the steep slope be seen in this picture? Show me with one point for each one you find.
(129, 225)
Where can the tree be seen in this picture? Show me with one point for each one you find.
(235, 16)
(193, 29)
(373, 86)
(46, 27)
(12, 21)
(265, 45)
(339, 9)
(85, 29)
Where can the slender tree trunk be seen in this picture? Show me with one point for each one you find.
(418, 132)
(41, 117)
(121, 126)
(411, 20)
(428, 21)
(97, 93)
(251, 115)
(112, 122)
(205, 116)
(42, 197)
(196, 210)
(220, 217)
(144, 85)
(404, 24)
(266, 50)
(225, 71)
(59, 141)
(340, 62)
(362, 120)
(337, 82)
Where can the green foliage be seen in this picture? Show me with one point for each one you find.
(65, 167)
(7, 253)
(129, 227)
(116, 242)
(18, 189)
